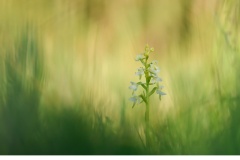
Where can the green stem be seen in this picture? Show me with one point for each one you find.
(147, 124)
(147, 105)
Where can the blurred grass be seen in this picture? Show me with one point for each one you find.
(65, 68)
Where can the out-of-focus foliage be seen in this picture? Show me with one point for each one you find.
(65, 66)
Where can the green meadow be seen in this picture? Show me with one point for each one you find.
(66, 67)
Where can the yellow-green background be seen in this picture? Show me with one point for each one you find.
(66, 66)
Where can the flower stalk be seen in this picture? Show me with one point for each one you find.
(150, 71)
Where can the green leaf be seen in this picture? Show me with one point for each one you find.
(144, 86)
(152, 91)
(142, 61)
(160, 97)
(143, 98)
(134, 104)
(140, 83)
(144, 94)
(148, 79)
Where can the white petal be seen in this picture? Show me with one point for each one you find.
(154, 62)
(160, 92)
(133, 83)
(139, 57)
(158, 79)
(133, 87)
(133, 99)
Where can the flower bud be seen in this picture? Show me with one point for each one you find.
(146, 48)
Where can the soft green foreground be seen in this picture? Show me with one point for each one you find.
(65, 68)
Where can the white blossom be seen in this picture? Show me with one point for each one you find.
(135, 99)
(160, 92)
(154, 70)
(140, 72)
(155, 79)
(139, 57)
(134, 86)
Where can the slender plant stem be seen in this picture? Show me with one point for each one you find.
(147, 106)
(151, 72)
(147, 124)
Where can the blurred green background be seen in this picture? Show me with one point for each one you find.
(65, 68)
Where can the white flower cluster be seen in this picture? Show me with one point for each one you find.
(151, 72)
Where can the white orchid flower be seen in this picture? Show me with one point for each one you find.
(159, 92)
(139, 57)
(140, 72)
(134, 86)
(135, 99)
(150, 85)
(154, 69)
(156, 79)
